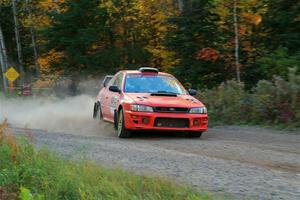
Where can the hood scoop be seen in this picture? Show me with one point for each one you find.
(192, 100)
(141, 98)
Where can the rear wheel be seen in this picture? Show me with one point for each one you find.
(122, 131)
(97, 110)
(194, 134)
(96, 107)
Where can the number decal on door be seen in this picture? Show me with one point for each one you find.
(113, 104)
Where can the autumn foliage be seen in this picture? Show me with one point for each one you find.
(196, 42)
(208, 54)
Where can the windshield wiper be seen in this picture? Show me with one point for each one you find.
(164, 93)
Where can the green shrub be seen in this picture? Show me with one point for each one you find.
(275, 102)
(225, 101)
(278, 102)
(264, 101)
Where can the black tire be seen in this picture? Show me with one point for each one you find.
(96, 107)
(194, 134)
(115, 120)
(121, 130)
(97, 110)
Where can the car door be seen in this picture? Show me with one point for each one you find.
(105, 104)
(113, 97)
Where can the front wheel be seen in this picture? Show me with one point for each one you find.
(122, 131)
(194, 134)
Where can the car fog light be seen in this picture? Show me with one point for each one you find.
(196, 122)
(145, 120)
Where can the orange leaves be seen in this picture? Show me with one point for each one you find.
(252, 18)
(207, 54)
(257, 19)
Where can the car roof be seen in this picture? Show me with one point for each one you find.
(139, 72)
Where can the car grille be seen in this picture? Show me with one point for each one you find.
(171, 110)
(171, 122)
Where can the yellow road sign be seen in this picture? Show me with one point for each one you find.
(12, 74)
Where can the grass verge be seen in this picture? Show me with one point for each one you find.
(30, 174)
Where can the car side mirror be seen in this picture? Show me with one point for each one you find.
(114, 88)
(192, 92)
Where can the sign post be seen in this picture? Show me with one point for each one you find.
(11, 74)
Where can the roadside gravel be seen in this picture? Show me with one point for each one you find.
(243, 162)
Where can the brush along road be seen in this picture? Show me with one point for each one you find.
(244, 162)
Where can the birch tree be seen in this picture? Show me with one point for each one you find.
(180, 5)
(236, 41)
(3, 59)
(33, 36)
(18, 40)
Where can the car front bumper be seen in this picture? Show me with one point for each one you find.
(165, 121)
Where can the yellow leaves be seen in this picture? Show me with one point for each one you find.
(161, 56)
(51, 57)
(42, 20)
(152, 20)
(109, 6)
(5, 2)
(51, 5)
(43, 83)
(45, 63)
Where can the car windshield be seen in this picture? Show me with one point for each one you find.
(139, 83)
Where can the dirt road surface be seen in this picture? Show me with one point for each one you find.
(242, 162)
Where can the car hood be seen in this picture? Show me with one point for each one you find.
(184, 101)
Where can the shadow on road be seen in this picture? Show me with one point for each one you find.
(163, 135)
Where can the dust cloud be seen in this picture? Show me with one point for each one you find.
(69, 115)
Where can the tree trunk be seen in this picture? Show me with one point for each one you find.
(190, 4)
(18, 41)
(3, 61)
(236, 36)
(180, 5)
(33, 38)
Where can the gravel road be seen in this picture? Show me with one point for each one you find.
(242, 162)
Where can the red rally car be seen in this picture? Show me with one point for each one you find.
(147, 99)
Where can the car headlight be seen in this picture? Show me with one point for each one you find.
(141, 108)
(199, 110)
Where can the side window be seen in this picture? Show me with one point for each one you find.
(111, 81)
(118, 80)
(106, 80)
